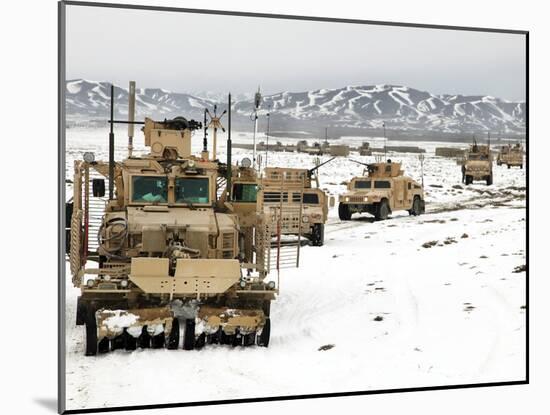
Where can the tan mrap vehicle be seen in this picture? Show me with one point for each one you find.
(313, 202)
(511, 156)
(167, 258)
(382, 191)
(477, 164)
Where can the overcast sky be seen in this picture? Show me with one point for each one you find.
(192, 52)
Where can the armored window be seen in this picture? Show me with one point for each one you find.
(382, 184)
(275, 197)
(311, 198)
(192, 190)
(388, 168)
(362, 184)
(296, 197)
(417, 186)
(244, 192)
(149, 189)
(409, 185)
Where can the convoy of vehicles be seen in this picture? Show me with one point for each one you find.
(185, 245)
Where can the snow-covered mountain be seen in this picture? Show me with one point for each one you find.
(399, 107)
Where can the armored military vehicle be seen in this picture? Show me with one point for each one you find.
(167, 261)
(511, 156)
(477, 164)
(382, 190)
(311, 205)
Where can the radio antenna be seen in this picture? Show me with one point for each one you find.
(204, 153)
(257, 101)
(215, 124)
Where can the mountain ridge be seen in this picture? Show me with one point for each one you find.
(397, 107)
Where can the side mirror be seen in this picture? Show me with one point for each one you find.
(331, 201)
(98, 187)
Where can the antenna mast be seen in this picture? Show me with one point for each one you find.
(204, 153)
(385, 144)
(257, 100)
(267, 134)
(131, 116)
(215, 124)
(228, 187)
(112, 145)
(421, 158)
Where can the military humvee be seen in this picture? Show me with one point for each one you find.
(313, 200)
(169, 254)
(511, 156)
(383, 190)
(477, 164)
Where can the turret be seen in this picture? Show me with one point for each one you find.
(170, 139)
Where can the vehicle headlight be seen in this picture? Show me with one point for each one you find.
(90, 283)
(246, 162)
(271, 285)
(191, 163)
(346, 199)
(242, 284)
(366, 199)
(124, 283)
(305, 219)
(107, 277)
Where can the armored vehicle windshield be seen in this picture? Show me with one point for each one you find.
(245, 192)
(382, 184)
(363, 184)
(477, 156)
(149, 189)
(192, 190)
(311, 199)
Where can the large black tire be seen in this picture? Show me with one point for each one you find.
(189, 335)
(91, 333)
(144, 339)
(489, 180)
(416, 206)
(130, 342)
(318, 234)
(104, 345)
(263, 339)
(343, 212)
(266, 307)
(173, 339)
(81, 310)
(382, 210)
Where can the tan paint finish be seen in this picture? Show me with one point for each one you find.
(192, 276)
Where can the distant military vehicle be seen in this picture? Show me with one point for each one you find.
(365, 149)
(314, 201)
(477, 164)
(170, 254)
(382, 191)
(511, 156)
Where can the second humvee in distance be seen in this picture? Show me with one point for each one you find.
(382, 191)
(511, 156)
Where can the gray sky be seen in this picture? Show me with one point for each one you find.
(192, 52)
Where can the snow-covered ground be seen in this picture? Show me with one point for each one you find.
(398, 314)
